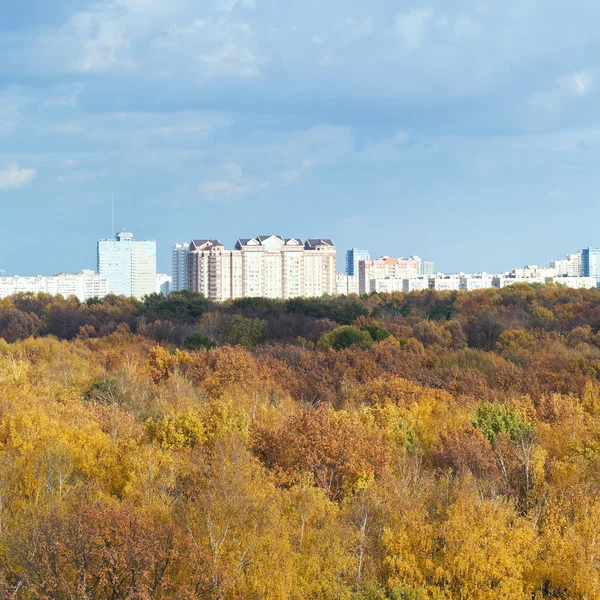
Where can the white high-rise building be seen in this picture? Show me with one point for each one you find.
(130, 265)
(571, 266)
(264, 266)
(179, 267)
(163, 283)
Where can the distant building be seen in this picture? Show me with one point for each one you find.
(386, 286)
(416, 284)
(163, 283)
(353, 258)
(579, 283)
(346, 284)
(265, 266)
(386, 268)
(590, 259)
(502, 281)
(427, 268)
(571, 266)
(83, 286)
(179, 267)
(445, 283)
(9, 286)
(476, 282)
(130, 265)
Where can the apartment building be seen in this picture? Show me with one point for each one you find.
(84, 285)
(164, 281)
(386, 268)
(179, 267)
(449, 283)
(346, 284)
(571, 266)
(480, 281)
(264, 266)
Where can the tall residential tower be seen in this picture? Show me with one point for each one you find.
(267, 266)
(130, 265)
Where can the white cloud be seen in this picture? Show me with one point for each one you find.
(571, 87)
(77, 177)
(13, 177)
(234, 187)
(210, 49)
(412, 26)
(295, 175)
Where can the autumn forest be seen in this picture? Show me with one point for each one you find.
(423, 446)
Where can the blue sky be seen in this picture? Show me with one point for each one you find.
(466, 131)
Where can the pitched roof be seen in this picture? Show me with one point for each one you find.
(262, 238)
(312, 242)
(201, 244)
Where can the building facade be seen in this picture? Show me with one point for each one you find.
(163, 283)
(130, 265)
(571, 266)
(83, 286)
(179, 267)
(264, 266)
(386, 268)
(590, 260)
(353, 258)
(427, 268)
(346, 284)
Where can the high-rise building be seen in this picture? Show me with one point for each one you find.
(163, 283)
(590, 259)
(386, 268)
(353, 258)
(571, 266)
(179, 267)
(427, 268)
(130, 265)
(265, 266)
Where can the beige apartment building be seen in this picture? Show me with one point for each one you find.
(386, 268)
(264, 266)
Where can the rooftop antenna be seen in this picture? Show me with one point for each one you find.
(112, 230)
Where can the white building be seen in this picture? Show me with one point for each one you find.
(179, 267)
(416, 284)
(386, 268)
(580, 283)
(163, 283)
(387, 285)
(346, 284)
(264, 266)
(571, 266)
(445, 283)
(533, 272)
(502, 281)
(480, 281)
(130, 265)
(84, 285)
(9, 286)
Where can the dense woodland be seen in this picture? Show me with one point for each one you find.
(423, 446)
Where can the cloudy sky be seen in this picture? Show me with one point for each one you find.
(466, 132)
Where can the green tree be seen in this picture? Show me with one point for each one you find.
(246, 332)
(344, 337)
(198, 341)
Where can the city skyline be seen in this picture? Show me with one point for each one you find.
(464, 140)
